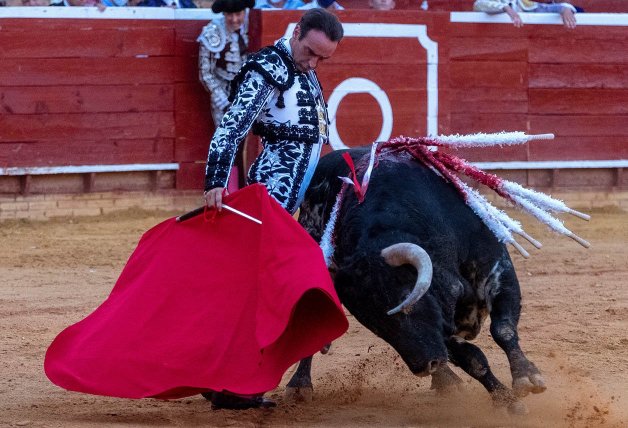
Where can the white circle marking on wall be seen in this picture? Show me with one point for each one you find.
(359, 85)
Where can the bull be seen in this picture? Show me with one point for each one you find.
(414, 240)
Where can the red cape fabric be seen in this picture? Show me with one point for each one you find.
(205, 305)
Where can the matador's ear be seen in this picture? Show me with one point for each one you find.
(296, 33)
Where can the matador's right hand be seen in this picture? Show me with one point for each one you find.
(213, 197)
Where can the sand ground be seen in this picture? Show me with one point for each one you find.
(574, 326)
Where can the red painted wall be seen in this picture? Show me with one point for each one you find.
(542, 79)
(95, 91)
(491, 77)
(86, 92)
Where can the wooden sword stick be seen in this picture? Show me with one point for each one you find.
(200, 210)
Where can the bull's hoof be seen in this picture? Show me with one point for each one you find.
(518, 408)
(325, 349)
(299, 394)
(446, 382)
(534, 383)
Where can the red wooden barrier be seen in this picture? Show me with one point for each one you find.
(118, 91)
(589, 6)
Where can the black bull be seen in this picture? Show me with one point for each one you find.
(473, 275)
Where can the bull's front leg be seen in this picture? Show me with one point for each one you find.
(472, 360)
(505, 311)
(445, 381)
(299, 388)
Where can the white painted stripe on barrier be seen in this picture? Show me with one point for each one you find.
(200, 14)
(157, 13)
(601, 19)
(83, 169)
(581, 164)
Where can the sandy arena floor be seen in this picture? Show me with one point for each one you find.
(574, 326)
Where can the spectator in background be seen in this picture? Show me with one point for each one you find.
(279, 4)
(297, 4)
(175, 4)
(79, 3)
(382, 4)
(325, 4)
(120, 3)
(100, 4)
(513, 7)
(223, 44)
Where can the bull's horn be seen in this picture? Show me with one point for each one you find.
(407, 253)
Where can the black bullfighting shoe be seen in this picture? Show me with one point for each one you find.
(235, 402)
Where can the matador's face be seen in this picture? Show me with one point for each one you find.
(234, 20)
(310, 50)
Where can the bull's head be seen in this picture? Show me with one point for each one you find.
(427, 353)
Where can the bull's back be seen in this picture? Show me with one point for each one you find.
(405, 196)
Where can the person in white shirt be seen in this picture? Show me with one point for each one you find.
(513, 7)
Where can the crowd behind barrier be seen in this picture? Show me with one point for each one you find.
(590, 6)
(101, 4)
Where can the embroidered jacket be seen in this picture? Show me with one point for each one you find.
(221, 55)
(286, 108)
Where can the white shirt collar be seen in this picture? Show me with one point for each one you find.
(286, 43)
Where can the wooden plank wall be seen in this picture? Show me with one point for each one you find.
(85, 92)
(102, 91)
(192, 109)
(93, 92)
(542, 79)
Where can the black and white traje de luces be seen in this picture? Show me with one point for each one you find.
(286, 108)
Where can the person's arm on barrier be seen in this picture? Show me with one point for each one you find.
(568, 14)
(497, 6)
